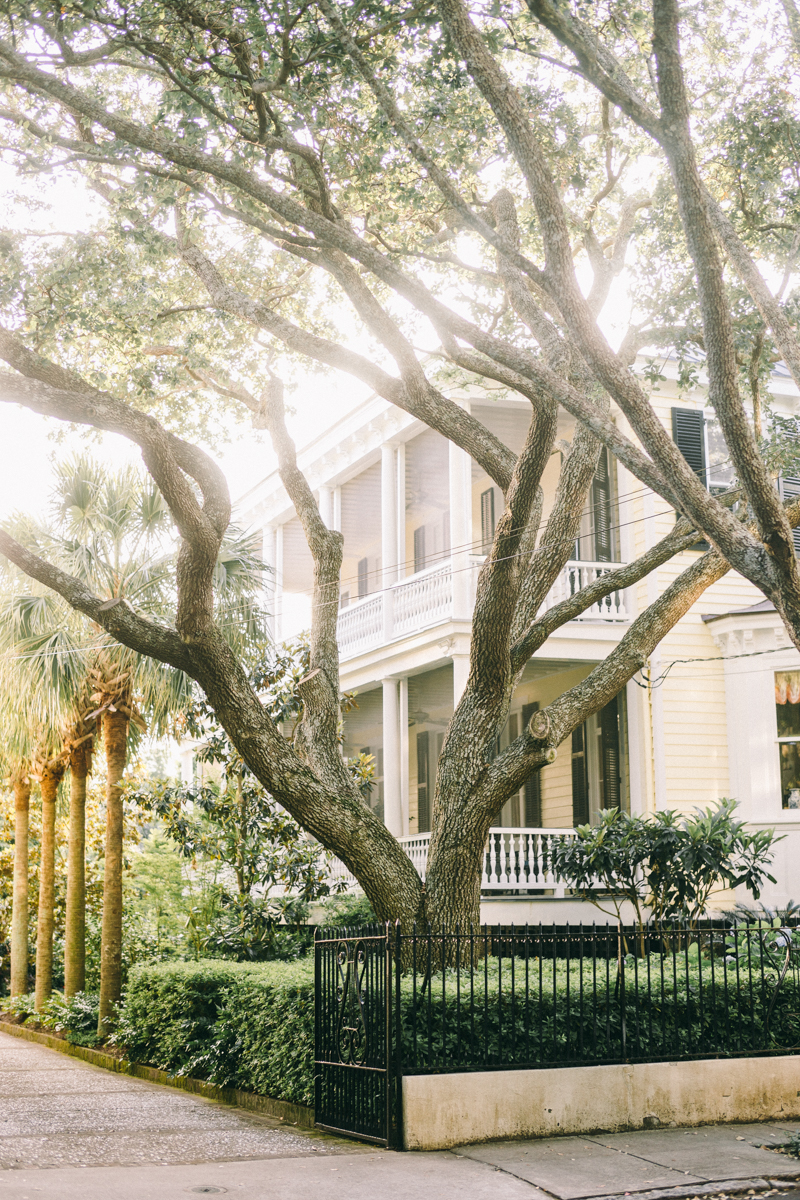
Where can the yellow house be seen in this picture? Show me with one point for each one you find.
(717, 713)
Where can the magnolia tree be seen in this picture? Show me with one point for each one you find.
(455, 184)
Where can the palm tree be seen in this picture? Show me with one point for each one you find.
(21, 783)
(113, 530)
(32, 744)
(42, 662)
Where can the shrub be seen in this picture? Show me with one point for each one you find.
(75, 1018)
(243, 1025)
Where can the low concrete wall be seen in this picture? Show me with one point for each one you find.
(451, 1110)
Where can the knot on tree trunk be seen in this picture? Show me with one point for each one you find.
(539, 726)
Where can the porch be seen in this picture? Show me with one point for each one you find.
(515, 860)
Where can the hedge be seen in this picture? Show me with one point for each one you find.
(241, 1025)
(251, 1025)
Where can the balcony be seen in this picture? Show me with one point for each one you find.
(516, 860)
(426, 599)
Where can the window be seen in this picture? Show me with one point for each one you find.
(790, 490)
(344, 600)
(701, 442)
(363, 577)
(599, 763)
(487, 520)
(787, 705)
(419, 549)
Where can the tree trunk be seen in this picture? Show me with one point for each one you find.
(75, 931)
(19, 909)
(115, 740)
(52, 774)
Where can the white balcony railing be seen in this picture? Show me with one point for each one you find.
(578, 575)
(426, 599)
(515, 860)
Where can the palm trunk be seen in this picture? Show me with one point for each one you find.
(75, 931)
(19, 904)
(115, 740)
(52, 775)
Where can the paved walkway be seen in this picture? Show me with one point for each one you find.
(60, 1116)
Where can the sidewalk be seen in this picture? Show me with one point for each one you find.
(71, 1131)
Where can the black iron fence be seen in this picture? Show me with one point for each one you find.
(535, 997)
(391, 1003)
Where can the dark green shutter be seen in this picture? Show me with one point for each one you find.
(601, 510)
(610, 755)
(487, 519)
(688, 433)
(423, 783)
(533, 784)
(580, 777)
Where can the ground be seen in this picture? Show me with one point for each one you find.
(70, 1131)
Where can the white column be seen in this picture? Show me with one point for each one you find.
(268, 555)
(392, 801)
(388, 515)
(656, 693)
(388, 535)
(277, 606)
(326, 506)
(336, 516)
(404, 750)
(460, 531)
(400, 509)
(460, 676)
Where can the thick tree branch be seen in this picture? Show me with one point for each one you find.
(723, 374)
(425, 403)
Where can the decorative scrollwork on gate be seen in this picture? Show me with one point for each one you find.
(351, 1028)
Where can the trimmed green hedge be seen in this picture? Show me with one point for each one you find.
(242, 1025)
(251, 1025)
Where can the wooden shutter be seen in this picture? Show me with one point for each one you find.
(601, 510)
(688, 434)
(580, 777)
(487, 519)
(611, 782)
(423, 782)
(533, 784)
(790, 490)
(419, 548)
(363, 577)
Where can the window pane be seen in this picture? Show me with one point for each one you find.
(790, 774)
(788, 720)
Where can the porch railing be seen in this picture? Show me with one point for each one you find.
(426, 599)
(514, 860)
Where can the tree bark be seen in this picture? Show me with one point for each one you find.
(52, 774)
(19, 904)
(115, 741)
(75, 931)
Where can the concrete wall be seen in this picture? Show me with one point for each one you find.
(451, 1110)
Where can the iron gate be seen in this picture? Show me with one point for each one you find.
(353, 1081)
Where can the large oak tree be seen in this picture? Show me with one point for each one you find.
(461, 184)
